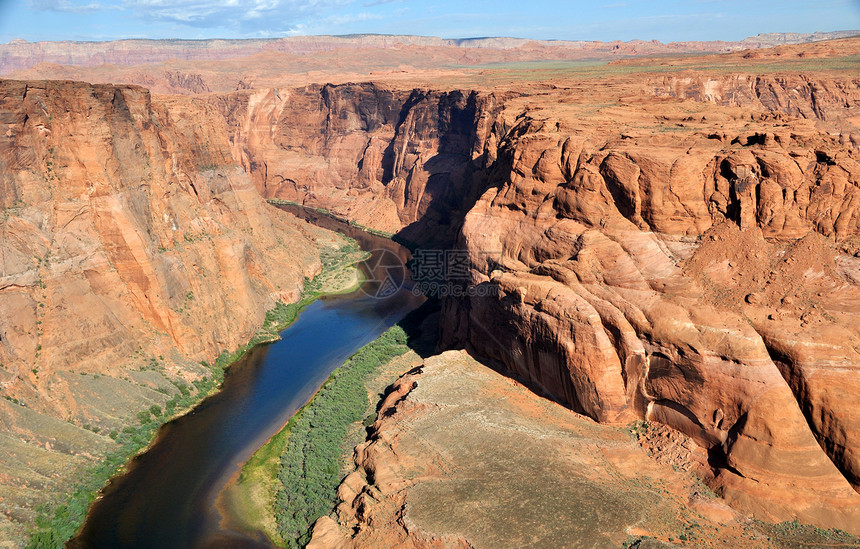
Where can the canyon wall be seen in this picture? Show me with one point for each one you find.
(652, 251)
(696, 283)
(133, 247)
(681, 250)
(394, 160)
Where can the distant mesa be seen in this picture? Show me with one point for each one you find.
(19, 54)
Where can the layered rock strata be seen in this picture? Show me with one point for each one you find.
(685, 259)
(680, 249)
(133, 247)
(699, 280)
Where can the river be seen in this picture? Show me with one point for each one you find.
(167, 497)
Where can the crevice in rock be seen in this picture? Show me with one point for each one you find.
(800, 389)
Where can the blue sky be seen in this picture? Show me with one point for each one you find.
(664, 20)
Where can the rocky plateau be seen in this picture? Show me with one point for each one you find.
(419, 483)
(21, 54)
(677, 244)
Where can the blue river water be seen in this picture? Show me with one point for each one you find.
(167, 497)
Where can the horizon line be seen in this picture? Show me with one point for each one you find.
(462, 39)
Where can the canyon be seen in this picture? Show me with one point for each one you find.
(671, 240)
(684, 250)
(133, 249)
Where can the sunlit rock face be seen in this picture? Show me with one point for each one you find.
(700, 273)
(686, 259)
(133, 247)
(678, 249)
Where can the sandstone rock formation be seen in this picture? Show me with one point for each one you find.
(679, 248)
(835, 102)
(644, 251)
(635, 280)
(463, 457)
(130, 241)
(384, 158)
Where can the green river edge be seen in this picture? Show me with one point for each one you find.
(59, 522)
(292, 480)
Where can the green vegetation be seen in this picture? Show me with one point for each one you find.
(251, 498)
(284, 314)
(637, 428)
(375, 232)
(58, 523)
(310, 464)
(292, 480)
(800, 535)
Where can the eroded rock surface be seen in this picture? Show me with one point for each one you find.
(686, 259)
(682, 248)
(684, 268)
(386, 158)
(465, 457)
(132, 247)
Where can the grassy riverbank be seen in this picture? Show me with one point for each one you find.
(292, 480)
(55, 524)
(59, 523)
(310, 464)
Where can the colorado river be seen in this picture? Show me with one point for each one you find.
(167, 497)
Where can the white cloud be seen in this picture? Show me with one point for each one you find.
(68, 6)
(352, 18)
(372, 3)
(261, 17)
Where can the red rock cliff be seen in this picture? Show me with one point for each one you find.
(388, 159)
(685, 261)
(130, 205)
(130, 239)
(689, 267)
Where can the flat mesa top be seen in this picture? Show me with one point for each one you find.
(190, 67)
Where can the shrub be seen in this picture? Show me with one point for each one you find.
(144, 417)
(310, 465)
